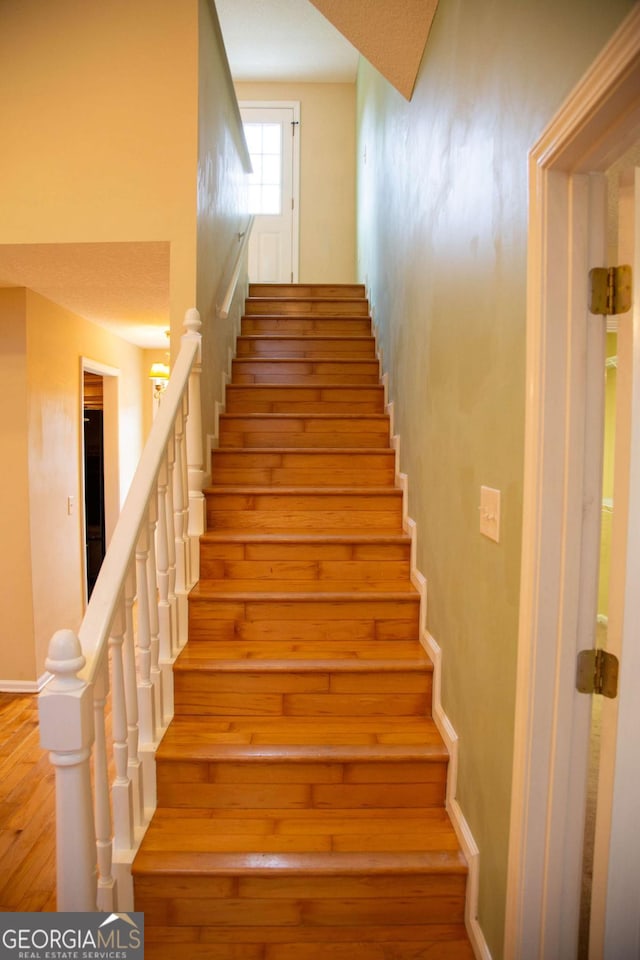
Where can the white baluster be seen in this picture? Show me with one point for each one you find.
(171, 546)
(145, 685)
(131, 700)
(195, 455)
(121, 790)
(185, 489)
(179, 516)
(154, 629)
(104, 842)
(66, 731)
(164, 607)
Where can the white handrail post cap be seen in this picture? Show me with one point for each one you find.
(66, 704)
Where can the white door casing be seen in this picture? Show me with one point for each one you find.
(565, 348)
(274, 189)
(615, 915)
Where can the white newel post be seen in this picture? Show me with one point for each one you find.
(66, 731)
(195, 455)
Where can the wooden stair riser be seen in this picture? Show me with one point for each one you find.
(265, 398)
(301, 306)
(306, 559)
(303, 468)
(307, 326)
(300, 431)
(434, 941)
(280, 510)
(345, 571)
(290, 347)
(301, 620)
(303, 693)
(295, 291)
(305, 371)
(329, 786)
(354, 914)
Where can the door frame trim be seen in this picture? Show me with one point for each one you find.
(110, 377)
(295, 184)
(598, 121)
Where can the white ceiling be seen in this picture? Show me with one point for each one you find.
(284, 40)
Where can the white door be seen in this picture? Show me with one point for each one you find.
(272, 132)
(615, 903)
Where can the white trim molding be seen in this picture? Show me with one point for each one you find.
(567, 222)
(25, 686)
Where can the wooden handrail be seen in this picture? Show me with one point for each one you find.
(148, 563)
(243, 238)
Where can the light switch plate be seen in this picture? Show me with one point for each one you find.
(490, 513)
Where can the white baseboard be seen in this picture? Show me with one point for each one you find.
(25, 686)
(460, 825)
(441, 720)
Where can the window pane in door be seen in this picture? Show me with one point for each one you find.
(264, 141)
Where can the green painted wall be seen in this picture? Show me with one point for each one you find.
(442, 221)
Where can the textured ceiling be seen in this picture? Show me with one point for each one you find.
(391, 34)
(284, 40)
(122, 286)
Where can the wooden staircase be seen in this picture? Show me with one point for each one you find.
(301, 785)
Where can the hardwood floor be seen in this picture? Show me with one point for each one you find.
(301, 784)
(27, 810)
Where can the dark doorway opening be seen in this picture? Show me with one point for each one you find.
(95, 540)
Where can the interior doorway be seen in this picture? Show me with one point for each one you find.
(94, 500)
(566, 362)
(99, 465)
(272, 132)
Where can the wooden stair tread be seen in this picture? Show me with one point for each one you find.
(361, 536)
(347, 318)
(305, 416)
(321, 290)
(359, 651)
(175, 748)
(318, 864)
(280, 590)
(287, 491)
(315, 336)
(307, 731)
(376, 729)
(255, 300)
(306, 656)
(314, 388)
(340, 361)
(312, 451)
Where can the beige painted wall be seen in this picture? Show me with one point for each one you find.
(42, 586)
(327, 174)
(98, 112)
(99, 107)
(17, 650)
(442, 221)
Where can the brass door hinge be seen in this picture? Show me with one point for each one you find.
(597, 673)
(610, 290)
